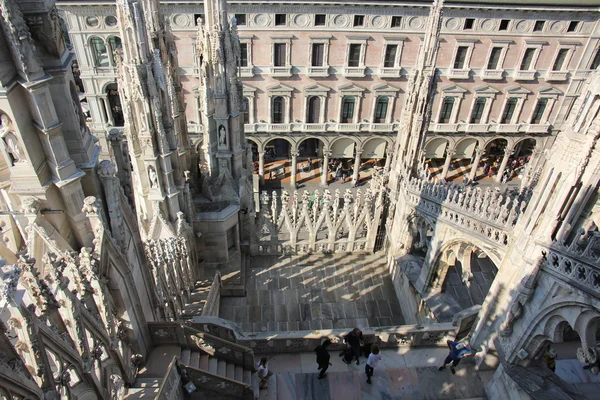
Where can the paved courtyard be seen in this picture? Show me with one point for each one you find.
(315, 292)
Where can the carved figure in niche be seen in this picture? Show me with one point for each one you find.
(13, 147)
(153, 177)
(4, 124)
(222, 135)
(117, 390)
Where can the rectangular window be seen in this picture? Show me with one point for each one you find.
(461, 56)
(390, 56)
(539, 26)
(359, 20)
(280, 19)
(318, 50)
(478, 111)
(319, 19)
(396, 22)
(504, 25)
(527, 59)
(279, 58)
(596, 60)
(560, 60)
(494, 58)
(538, 113)
(469, 23)
(381, 110)
(244, 54)
(240, 19)
(348, 110)
(354, 55)
(573, 26)
(446, 112)
(509, 110)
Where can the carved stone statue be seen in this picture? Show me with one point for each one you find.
(13, 147)
(222, 135)
(153, 177)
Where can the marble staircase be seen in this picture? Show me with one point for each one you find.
(216, 366)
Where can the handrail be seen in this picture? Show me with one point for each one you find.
(213, 300)
(215, 383)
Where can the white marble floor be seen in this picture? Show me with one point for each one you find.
(401, 374)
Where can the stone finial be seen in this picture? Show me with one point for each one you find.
(91, 205)
(10, 280)
(106, 169)
(30, 206)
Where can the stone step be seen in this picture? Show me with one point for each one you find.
(221, 367)
(185, 356)
(204, 361)
(195, 359)
(141, 393)
(230, 372)
(213, 365)
(147, 382)
(239, 373)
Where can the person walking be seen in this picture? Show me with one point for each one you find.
(372, 362)
(323, 358)
(354, 340)
(458, 351)
(263, 373)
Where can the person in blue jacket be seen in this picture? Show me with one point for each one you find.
(458, 351)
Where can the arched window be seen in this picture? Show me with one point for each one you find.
(381, 109)
(277, 110)
(314, 110)
(446, 112)
(246, 110)
(114, 102)
(348, 109)
(99, 52)
(114, 44)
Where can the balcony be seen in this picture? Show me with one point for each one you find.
(314, 127)
(355, 72)
(556, 76)
(505, 128)
(537, 128)
(458, 73)
(279, 128)
(524, 75)
(381, 127)
(390, 72)
(443, 127)
(281, 72)
(249, 128)
(318, 72)
(492, 74)
(348, 127)
(477, 128)
(247, 72)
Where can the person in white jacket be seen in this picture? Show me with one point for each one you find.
(372, 362)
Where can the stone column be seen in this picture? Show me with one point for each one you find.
(500, 172)
(261, 167)
(293, 169)
(388, 162)
(447, 163)
(356, 167)
(475, 165)
(325, 168)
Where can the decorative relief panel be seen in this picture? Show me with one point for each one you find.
(379, 22)
(341, 21)
(300, 20)
(181, 20)
(452, 24)
(523, 26)
(558, 27)
(489, 25)
(416, 22)
(261, 20)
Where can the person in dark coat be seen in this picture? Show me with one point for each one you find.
(354, 340)
(323, 358)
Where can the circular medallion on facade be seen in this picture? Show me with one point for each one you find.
(452, 24)
(488, 25)
(416, 22)
(301, 20)
(111, 20)
(557, 27)
(378, 21)
(92, 21)
(522, 26)
(261, 19)
(340, 20)
(181, 20)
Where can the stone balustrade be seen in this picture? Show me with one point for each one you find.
(577, 263)
(305, 341)
(170, 387)
(213, 300)
(222, 387)
(488, 213)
